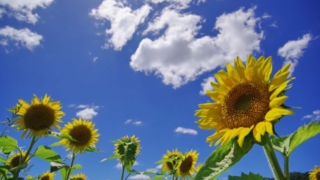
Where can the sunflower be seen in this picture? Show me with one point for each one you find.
(315, 174)
(198, 167)
(47, 176)
(82, 134)
(37, 118)
(127, 149)
(15, 159)
(186, 166)
(78, 177)
(170, 166)
(245, 101)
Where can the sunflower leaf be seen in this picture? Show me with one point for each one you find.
(8, 144)
(223, 158)
(251, 176)
(2, 159)
(46, 153)
(287, 144)
(77, 166)
(113, 156)
(159, 177)
(55, 144)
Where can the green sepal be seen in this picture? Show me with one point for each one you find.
(285, 145)
(8, 144)
(251, 176)
(223, 158)
(46, 153)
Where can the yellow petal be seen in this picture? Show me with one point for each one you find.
(279, 89)
(35, 100)
(278, 80)
(276, 113)
(269, 127)
(46, 99)
(243, 133)
(278, 101)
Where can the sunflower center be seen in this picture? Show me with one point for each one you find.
(318, 175)
(46, 177)
(186, 165)
(15, 161)
(81, 134)
(39, 117)
(245, 105)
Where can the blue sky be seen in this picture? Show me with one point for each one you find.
(141, 67)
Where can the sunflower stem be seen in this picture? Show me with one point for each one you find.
(71, 164)
(286, 168)
(122, 173)
(272, 158)
(24, 159)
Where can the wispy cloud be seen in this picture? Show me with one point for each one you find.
(95, 59)
(130, 121)
(186, 131)
(140, 177)
(293, 50)
(315, 116)
(206, 85)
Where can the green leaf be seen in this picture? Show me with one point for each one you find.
(223, 158)
(251, 176)
(2, 160)
(166, 160)
(55, 166)
(8, 144)
(92, 149)
(285, 145)
(77, 166)
(149, 172)
(159, 177)
(46, 153)
(113, 156)
(55, 144)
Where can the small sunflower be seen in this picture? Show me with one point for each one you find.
(170, 166)
(14, 160)
(246, 101)
(315, 174)
(83, 133)
(127, 148)
(78, 177)
(37, 118)
(47, 176)
(186, 166)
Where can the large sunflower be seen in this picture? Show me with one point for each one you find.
(246, 101)
(15, 159)
(83, 134)
(47, 176)
(78, 177)
(37, 118)
(186, 166)
(315, 174)
(127, 148)
(170, 166)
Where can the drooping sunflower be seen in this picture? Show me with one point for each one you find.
(37, 118)
(47, 176)
(186, 166)
(315, 174)
(80, 176)
(170, 166)
(83, 134)
(127, 149)
(15, 159)
(245, 101)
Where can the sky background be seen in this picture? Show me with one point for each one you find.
(141, 68)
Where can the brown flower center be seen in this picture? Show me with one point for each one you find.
(318, 175)
(46, 177)
(39, 117)
(15, 161)
(186, 165)
(81, 134)
(173, 163)
(245, 105)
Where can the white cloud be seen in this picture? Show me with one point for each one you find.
(87, 113)
(179, 4)
(178, 57)
(95, 59)
(140, 177)
(206, 85)
(293, 50)
(266, 16)
(20, 37)
(186, 131)
(22, 9)
(137, 123)
(128, 121)
(119, 165)
(315, 116)
(124, 21)
(156, 169)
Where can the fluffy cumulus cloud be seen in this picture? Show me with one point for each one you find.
(179, 4)
(178, 57)
(206, 85)
(124, 21)
(156, 169)
(293, 50)
(315, 116)
(20, 37)
(22, 10)
(139, 177)
(185, 131)
(87, 111)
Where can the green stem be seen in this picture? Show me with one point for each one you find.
(122, 173)
(272, 158)
(24, 159)
(71, 164)
(286, 168)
